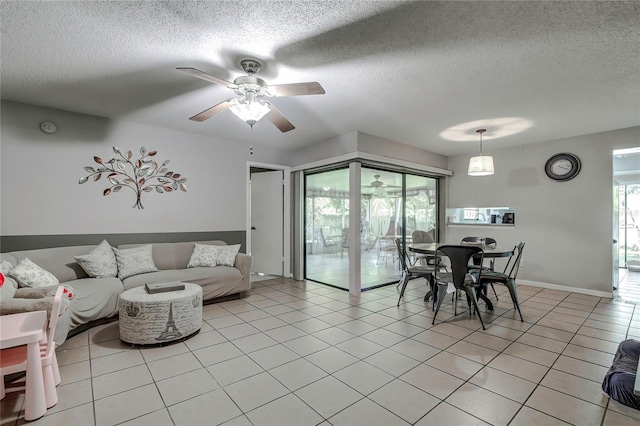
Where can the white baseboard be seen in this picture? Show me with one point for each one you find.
(579, 290)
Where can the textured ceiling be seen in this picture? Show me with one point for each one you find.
(420, 73)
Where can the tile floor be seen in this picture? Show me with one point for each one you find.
(296, 353)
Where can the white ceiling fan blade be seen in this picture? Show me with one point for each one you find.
(210, 112)
(296, 89)
(279, 120)
(207, 77)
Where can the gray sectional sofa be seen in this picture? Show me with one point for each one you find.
(97, 298)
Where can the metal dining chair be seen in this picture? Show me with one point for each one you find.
(508, 277)
(476, 263)
(413, 272)
(459, 257)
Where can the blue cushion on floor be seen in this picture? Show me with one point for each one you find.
(619, 381)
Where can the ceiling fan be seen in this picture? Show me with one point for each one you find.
(251, 105)
(377, 183)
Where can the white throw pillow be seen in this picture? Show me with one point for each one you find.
(134, 261)
(227, 255)
(204, 255)
(99, 262)
(28, 274)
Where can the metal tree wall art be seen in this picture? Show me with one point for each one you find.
(141, 175)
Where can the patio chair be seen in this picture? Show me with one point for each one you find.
(459, 257)
(329, 243)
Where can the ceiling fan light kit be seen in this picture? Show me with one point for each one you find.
(250, 106)
(481, 165)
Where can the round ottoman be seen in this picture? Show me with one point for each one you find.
(161, 317)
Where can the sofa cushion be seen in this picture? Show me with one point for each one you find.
(28, 274)
(172, 255)
(227, 255)
(59, 261)
(204, 255)
(134, 261)
(99, 262)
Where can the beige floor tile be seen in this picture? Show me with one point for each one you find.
(357, 327)
(456, 365)
(273, 356)
(255, 391)
(533, 354)
(623, 409)
(415, 349)
(575, 386)
(431, 380)
(486, 405)
(365, 413)
(154, 353)
(288, 410)
(540, 342)
(186, 386)
(448, 415)
(202, 340)
(80, 415)
(120, 381)
(117, 361)
(392, 362)
(72, 395)
(558, 324)
(503, 332)
(606, 326)
(590, 355)
(306, 345)
(363, 377)
(519, 367)
(75, 372)
(572, 312)
(613, 418)
(331, 359)
(504, 384)
(528, 416)
(405, 400)
(564, 317)
(72, 355)
(437, 340)
(211, 408)
(601, 334)
(285, 333)
(173, 366)
(450, 330)
(254, 342)
(328, 396)
(234, 369)
(473, 352)
(567, 408)
(580, 368)
(551, 333)
(217, 353)
(128, 405)
(488, 341)
(595, 343)
(516, 324)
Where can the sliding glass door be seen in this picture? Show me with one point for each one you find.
(393, 204)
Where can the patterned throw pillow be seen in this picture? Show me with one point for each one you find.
(204, 255)
(28, 274)
(99, 262)
(227, 255)
(134, 261)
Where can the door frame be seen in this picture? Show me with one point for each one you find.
(286, 212)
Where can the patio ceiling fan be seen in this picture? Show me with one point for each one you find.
(377, 183)
(251, 104)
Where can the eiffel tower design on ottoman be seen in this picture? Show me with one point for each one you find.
(161, 317)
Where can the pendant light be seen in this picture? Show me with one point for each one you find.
(481, 165)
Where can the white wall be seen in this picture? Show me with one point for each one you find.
(567, 226)
(40, 194)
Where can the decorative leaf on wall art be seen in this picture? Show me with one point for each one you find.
(141, 175)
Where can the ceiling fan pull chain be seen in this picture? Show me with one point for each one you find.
(251, 141)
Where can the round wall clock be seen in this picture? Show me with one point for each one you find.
(562, 167)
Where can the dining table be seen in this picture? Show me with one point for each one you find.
(490, 252)
(28, 329)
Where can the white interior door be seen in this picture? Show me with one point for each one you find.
(267, 226)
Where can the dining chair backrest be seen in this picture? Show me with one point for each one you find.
(513, 264)
(402, 254)
(344, 238)
(459, 257)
